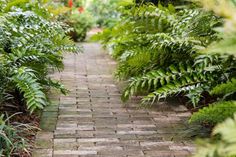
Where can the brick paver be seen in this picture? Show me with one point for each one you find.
(93, 122)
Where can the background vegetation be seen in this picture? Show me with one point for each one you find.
(104, 12)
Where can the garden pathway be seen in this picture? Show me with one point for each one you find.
(91, 121)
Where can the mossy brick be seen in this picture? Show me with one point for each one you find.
(49, 114)
(42, 153)
(66, 146)
(44, 135)
(44, 143)
(68, 112)
(51, 108)
(47, 125)
(55, 102)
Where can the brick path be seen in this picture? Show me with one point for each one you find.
(92, 122)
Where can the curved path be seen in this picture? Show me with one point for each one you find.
(91, 121)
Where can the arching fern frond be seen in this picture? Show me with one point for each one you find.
(175, 89)
(214, 113)
(226, 89)
(26, 82)
(182, 78)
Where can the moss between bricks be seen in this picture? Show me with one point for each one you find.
(43, 143)
(49, 117)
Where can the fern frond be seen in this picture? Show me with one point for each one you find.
(133, 63)
(214, 113)
(224, 146)
(14, 3)
(188, 78)
(55, 84)
(173, 90)
(225, 89)
(174, 77)
(26, 82)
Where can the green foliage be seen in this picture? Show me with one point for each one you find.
(158, 48)
(188, 78)
(225, 9)
(226, 46)
(223, 147)
(165, 2)
(214, 113)
(29, 44)
(104, 12)
(11, 140)
(32, 42)
(133, 63)
(28, 84)
(225, 89)
(81, 23)
(14, 3)
(169, 36)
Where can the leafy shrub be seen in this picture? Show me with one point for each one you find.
(224, 146)
(30, 44)
(183, 78)
(226, 89)
(214, 113)
(168, 51)
(166, 2)
(104, 12)
(81, 23)
(158, 52)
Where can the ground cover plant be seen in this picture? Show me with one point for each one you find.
(32, 44)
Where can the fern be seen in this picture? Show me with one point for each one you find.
(223, 147)
(174, 90)
(133, 63)
(225, 89)
(170, 35)
(14, 3)
(214, 113)
(183, 78)
(54, 84)
(26, 82)
(31, 42)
